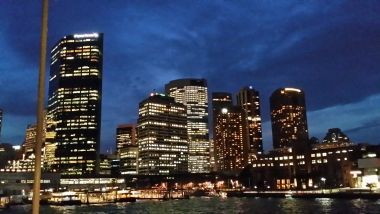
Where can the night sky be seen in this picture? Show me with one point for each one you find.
(330, 49)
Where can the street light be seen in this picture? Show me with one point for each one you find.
(324, 183)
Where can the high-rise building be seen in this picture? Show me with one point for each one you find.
(248, 99)
(49, 145)
(219, 100)
(30, 139)
(162, 140)
(288, 115)
(75, 91)
(230, 140)
(127, 149)
(125, 136)
(193, 94)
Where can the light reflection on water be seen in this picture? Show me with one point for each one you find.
(219, 205)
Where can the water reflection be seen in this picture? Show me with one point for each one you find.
(218, 205)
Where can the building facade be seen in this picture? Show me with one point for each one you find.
(127, 148)
(30, 139)
(193, 94)
(163, 141)
(248, 98)
(230, 140)
(75, 91)
(126, 135)
(219, 101)
(288, 116)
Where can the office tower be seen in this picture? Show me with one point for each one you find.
(248, 99)
(219, 100)
(127, 149)
(193, 94)
(30, 139)
(212, 156)
(125, 136)
(108, 164)
(162, 140)
(288, 115)
(1, 121)
(75, 91)
(49, 145)
(230, 140)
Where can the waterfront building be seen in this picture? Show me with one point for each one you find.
(7, 153)
(332, 165)
(367, 174)
(127, 148)
(75, 92)
(230, 140)
(289, 122)
(162, 141)
(248, 99)
(20, 183)
(128, 157)
(193, 94)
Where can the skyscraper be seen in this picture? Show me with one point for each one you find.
(162, 140)
(288, 115)
(75, 91)
(193, 94)
(127, 149)
(125, 136)
(219, 100)
(248, 99)
(30, 139)
(230, 140)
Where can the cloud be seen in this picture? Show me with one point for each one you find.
(329, 50)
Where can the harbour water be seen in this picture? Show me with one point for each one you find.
(218, 205)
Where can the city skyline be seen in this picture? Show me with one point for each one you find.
(324, 54)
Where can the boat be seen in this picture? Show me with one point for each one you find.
(64, 198)
(125, 196)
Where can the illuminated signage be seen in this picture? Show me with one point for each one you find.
(86, 35)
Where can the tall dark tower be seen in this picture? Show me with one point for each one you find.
(248, 99)
(288, 115)
(75, 92)
(230, 140)
(220, 100)
(193, 94)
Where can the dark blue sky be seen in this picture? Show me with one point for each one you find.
(331, 49)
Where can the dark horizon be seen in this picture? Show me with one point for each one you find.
(330, 51)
